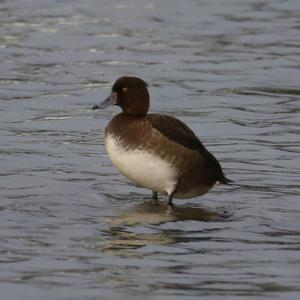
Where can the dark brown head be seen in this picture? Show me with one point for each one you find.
(131, 94)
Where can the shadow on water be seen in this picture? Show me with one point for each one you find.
(132, 230)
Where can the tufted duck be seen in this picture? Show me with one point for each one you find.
(155, 151)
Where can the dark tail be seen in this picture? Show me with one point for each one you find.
(213, 164)
(224, 180)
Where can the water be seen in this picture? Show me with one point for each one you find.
(72, 227)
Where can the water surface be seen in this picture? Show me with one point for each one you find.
(72, 227)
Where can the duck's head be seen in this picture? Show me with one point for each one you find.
(131, 94)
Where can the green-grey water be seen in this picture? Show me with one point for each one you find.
(72, 227)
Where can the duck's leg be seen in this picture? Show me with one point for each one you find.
(169, 199)
(154, 195)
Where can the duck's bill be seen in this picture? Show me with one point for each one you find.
(110, 100)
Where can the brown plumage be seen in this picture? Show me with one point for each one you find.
(188, 168)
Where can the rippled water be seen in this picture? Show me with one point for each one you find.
(72, 227)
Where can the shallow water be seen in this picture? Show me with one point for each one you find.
(72, 227)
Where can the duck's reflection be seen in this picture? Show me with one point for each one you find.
(155, 212)
(129, 230)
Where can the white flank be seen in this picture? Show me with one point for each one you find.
(141, 167)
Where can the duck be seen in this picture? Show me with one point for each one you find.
(156, 151)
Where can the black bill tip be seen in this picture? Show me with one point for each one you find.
(96, 107)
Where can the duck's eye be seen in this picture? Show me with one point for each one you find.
(124, 89)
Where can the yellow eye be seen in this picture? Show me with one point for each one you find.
(124, 89)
